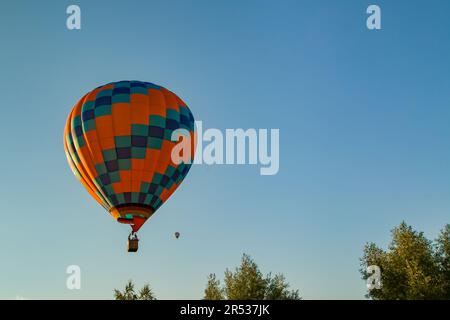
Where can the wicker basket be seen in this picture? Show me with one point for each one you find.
(133, 245)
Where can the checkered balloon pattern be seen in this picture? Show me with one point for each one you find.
(118, 142)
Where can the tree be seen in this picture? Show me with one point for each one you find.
(129, 294)
(278, 289)
(443, 260)
(247, 282)
(146, 293)
(213, 290)
(412, 268)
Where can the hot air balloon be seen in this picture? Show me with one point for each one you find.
(177, 235)
(118, 142)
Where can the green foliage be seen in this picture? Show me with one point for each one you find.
(413, 267)
(443, 260)
(278, 289)
(146, 293)
(129, 294)
(247, 282)
(213, 290)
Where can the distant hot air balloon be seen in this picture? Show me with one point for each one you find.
(118, 143)
(177, 235)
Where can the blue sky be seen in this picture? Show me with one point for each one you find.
(363, 118)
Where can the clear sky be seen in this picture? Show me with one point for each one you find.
(364, 139)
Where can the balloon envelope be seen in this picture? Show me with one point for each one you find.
(118, 142)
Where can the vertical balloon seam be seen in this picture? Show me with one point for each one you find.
(94, 93)
(178, 102)
(167, 95)
(84, 156)
(148, 175)
(92, 96)
(152, 169)
(113, 127)
(83, 168)
(85, 99)
(168, 163)
(71, 154)
(159, 151)
(135, 179)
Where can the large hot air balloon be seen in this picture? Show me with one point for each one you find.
(118, 142)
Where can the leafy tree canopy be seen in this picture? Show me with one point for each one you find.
(413, 267)
(129, 293)
(247, 282)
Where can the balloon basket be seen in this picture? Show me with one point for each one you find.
(133, 245)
